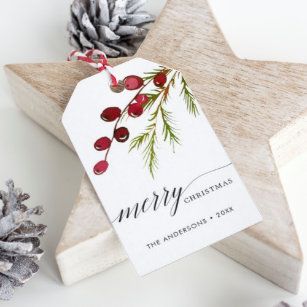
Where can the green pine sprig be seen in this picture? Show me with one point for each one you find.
(139, 140)
(152, 98)
(188, 98)
(149, 139)
(149, 136)
(150, 154)
(150, 75)
(168, 131)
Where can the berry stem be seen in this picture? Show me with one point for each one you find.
(166, 71)
(119, 119)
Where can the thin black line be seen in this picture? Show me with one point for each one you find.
(214, 170)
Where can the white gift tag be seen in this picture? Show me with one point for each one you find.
(163, 177)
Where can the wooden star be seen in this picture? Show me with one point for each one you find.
(257, 109)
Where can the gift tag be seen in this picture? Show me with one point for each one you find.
(159, 170)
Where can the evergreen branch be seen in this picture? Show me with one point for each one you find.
(152, 98)
(148, 139)
(166, 90)
(169, 132)
(188, 98)
(150, 155)
(139, 140)
(149, 136)
(150, 75)
(149, 152)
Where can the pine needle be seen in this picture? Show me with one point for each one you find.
(169, 132)
(150, 75)
(188, 98)
(159, 98)
(150, 154)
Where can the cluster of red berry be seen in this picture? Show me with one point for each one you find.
(135, 108)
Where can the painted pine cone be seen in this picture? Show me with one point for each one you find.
(19, 241)
(112, 26)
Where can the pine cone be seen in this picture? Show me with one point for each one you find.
(19, 241)
(112, 26)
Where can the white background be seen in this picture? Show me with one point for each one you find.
(35, 31)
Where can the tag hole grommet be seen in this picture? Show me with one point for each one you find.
(117, 88)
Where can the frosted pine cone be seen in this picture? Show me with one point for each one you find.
(19, 241)
(112, 26)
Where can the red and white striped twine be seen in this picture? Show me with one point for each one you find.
(96, 59)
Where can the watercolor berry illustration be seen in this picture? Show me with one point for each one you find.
(153, 102)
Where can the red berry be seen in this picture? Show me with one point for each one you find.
(135, 110)
(101, 167)
(102, 143)
(110, 114)
(160, 79)
(141, 98)
(133, 82)
(121, 134)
